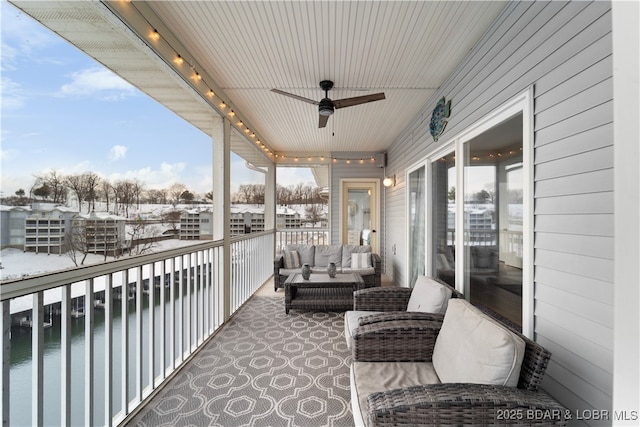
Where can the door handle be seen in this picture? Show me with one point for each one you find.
(373, 231)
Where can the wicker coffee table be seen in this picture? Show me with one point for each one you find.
(321, 292)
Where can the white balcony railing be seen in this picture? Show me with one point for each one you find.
(132, 349)
(301, 236)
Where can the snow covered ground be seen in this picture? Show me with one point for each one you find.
(16, 263)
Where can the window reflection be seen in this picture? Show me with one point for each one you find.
(444, 218)
(493, 183)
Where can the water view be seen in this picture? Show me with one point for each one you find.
(20, 389)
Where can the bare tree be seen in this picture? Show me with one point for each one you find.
(138, 189)
(172, 218)
(52, 185)
(77, 185)
(78, 242)
(107, 190)
(155, 196)
(175, 192)
(141, 240)
(314, 214)
(124, 196)
(92, 183)
(244, 191)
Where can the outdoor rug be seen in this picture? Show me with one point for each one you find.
(264, 368)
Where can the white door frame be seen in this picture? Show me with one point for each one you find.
(361, 183)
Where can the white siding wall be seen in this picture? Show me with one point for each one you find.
(565, 51)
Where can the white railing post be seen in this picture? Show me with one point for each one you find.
(108, 350)
(124, 340)
(162, 320)
(65, 356)
(172, 314)
(180, 314)
(188, 313)
(152, 325)
(139, 347)
(37, 360)
(88, 352)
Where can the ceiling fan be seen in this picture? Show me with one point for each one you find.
(326, 106)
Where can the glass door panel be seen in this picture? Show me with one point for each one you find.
(416, 209)
(359, 214)
(359, 217)
(443, 223)
(493, 185)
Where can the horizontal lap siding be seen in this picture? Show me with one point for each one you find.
(564, 51)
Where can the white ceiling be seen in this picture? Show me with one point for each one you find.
(406, 49)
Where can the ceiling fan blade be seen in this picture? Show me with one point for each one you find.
(348, 102)
(323, 121)
(300, 98)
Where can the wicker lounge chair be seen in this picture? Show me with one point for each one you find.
(388, 304)
(445, 403)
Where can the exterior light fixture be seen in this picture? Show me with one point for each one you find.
(389, 181)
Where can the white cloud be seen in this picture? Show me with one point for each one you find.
(97, 82)
(117, 152)
(12, 97)
(163, 177)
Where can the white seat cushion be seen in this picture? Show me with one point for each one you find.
(472, 347)
(371, 377)
(429, 296)
(352, 321)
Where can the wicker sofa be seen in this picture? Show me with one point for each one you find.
(319, 257)
(468, 370)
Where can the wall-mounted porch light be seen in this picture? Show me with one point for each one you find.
(389, 181)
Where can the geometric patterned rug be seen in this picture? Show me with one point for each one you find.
(264, 368)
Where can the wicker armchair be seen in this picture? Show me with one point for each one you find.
(388, 305)
(413, 340)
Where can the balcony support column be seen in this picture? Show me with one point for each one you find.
(221, 141)
(270, 198)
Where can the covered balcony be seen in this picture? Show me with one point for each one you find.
(490, 144)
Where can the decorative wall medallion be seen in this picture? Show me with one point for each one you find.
(439, 118)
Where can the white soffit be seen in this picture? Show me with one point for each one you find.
(406, 49)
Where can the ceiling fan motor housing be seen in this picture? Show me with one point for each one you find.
(326, 107)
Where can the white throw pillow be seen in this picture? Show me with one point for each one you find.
(361, 260)
(429, 296)
(472, 347)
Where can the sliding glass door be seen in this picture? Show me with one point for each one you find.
(443, 218)
(493, 219)
(417, 220)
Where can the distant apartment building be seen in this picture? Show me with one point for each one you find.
(288, 218)
(41, 228)
(99, 233)
(244, 219)
(196, 225)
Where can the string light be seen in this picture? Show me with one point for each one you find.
(179, 60)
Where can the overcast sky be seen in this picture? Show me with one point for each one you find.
(62, 110)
